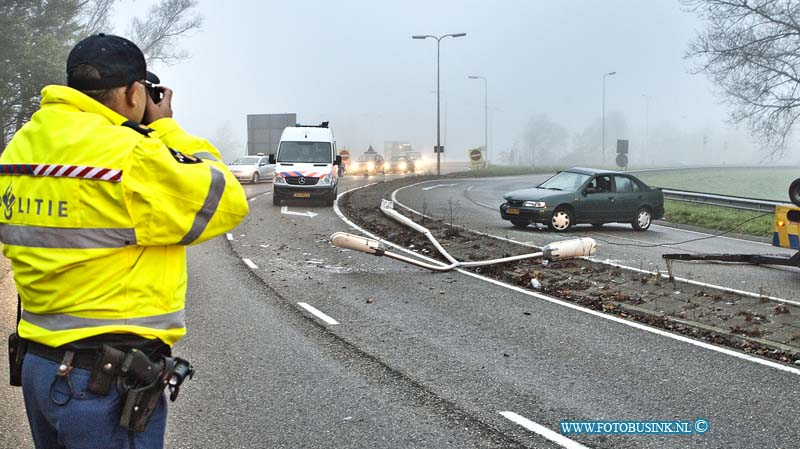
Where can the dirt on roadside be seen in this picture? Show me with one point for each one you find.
(756, 325)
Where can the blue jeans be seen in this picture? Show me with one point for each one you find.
(88, 420)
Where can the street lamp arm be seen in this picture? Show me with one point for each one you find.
(423, 36)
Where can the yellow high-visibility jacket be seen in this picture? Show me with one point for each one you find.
(95, 217)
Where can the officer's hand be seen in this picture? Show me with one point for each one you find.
(163, 109)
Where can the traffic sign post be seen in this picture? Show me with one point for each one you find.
(475, 157)
(622, 153)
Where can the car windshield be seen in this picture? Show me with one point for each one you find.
(245, 161)
(304, 152)
(566, 180)
(399, 159)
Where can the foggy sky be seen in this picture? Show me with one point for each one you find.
(353, 63)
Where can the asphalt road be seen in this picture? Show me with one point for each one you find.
(419, 359)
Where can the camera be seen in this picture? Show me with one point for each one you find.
(156, 92)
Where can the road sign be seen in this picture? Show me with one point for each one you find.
(622, 146)
(345, 154)
(622, 160)
(438, 149)
(475, 157)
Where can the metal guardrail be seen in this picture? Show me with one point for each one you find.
(733, 202)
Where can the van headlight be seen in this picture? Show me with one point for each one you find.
(536, 204)
(371, 166)
(279, 180)
(325, 180)
(403, 166)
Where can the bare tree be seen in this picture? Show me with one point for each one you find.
(157, 34)
(94, 15)
(751, 51)
(37, 36)
(543, 138)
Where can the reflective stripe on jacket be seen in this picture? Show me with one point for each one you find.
(94, 216)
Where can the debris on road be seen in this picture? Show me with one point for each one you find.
(703, 313)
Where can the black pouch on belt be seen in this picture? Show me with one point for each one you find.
(106, 370)
(17, 347)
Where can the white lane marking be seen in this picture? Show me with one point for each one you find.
(555, 437)
(253, 199)
(229, 236)
(285, 210)
(311, 309)
(652, 330)
(250, 264)
(438, 185)
(470, 188)
(607, 262)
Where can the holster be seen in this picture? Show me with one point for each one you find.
(17, 347)
(140, 405)
(145, 381)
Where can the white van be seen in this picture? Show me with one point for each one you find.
(306, 165)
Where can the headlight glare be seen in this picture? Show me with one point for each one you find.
(537, 204)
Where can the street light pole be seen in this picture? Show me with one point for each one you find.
(438, 148)
(604, 113)
(486, 114)
(646, 123)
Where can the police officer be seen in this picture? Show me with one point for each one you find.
(101, 192)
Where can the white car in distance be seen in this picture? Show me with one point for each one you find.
(252, 168)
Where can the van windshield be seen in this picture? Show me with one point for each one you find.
(319, 152)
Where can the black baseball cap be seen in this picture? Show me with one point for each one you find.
(119, 61)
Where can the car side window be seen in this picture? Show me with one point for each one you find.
(602, 183)
(623, 184)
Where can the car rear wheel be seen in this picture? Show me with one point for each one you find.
(254, 179)
(561, 220)
(520, 223)
(642, 220)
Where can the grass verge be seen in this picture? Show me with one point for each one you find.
(719, 218)
(503, 170)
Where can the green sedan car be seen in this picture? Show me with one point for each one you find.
(585, 195)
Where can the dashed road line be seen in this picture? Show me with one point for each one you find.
(312, 310)
(250, 264)
(555, 437)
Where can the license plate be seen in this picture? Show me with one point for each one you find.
(302, 195)
(513, 211)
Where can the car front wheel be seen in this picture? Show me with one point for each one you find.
(254, 179)
(642, 220)
(520, 223)
(561, 220)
